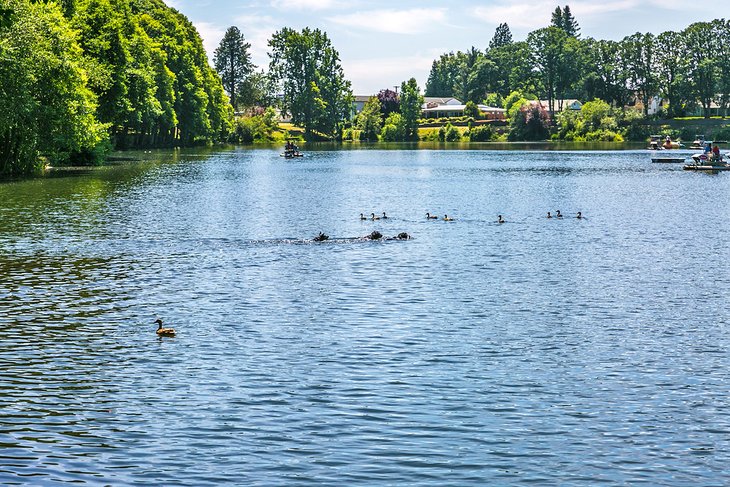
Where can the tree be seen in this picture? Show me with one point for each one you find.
(606, 77)
(233, 63)
(564, 20)
(502, 37)
(369, 120)
(46, 108)
(547, 54)
(411, 103)
(637, 55)
(671, 69)
(307, 69)
(389, 102)
(530, 122)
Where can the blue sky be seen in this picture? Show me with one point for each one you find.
(383, 43)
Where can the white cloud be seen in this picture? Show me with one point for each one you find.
(258, 30)
(211, 35)
(369, 76)
(413, 21)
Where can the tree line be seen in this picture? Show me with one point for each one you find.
(689, 69)
(80, 77)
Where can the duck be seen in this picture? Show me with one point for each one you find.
(500, 219)
(385, 217)
(164, 332)
(579, 216)
(549, 215)
(431, 217)
(558, 214)
(373, 217)
(363, 217)
(448, 219)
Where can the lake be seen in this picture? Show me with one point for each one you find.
(539, 351)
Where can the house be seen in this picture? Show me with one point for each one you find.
(568, 104)
(359, 102)
(451, 107)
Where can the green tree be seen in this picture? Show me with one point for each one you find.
(671, 70)
(46, 108)
(307, 69)
(394, 129)
(637, 55)
(369, 120)
(502, 37)
(411, 102)
(233, 63)
(548, 56)
(564, 20)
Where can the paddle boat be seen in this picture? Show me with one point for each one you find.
(709, 160)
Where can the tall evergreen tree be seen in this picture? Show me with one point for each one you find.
(502, 37)
(564, 20)
(232, 60)
(411, 103)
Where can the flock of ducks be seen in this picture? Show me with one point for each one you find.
(375, 235)
(447, 218)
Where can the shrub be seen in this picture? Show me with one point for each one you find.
(483, 133)
(449, 133)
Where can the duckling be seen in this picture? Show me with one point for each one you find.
(431, 217)
(385, 217)
(373, 217)
(549, 215)
(363, 217)
(500, 219)
(558, 214)
(448, 219)
(164, 332)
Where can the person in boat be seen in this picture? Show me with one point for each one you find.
(668, 143)
(716, 157)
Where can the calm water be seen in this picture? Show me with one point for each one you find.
(543, 352)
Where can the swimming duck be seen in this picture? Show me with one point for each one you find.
(363, 217)
(448, 219)
(500, 219)
(579, 216)
(558, 214)
(549, 215)
(373, 217)
(385, 217)
(164, 332)
(431, 217)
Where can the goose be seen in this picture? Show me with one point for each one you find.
(579, 216)
(447, 219)
(385, 217)
(363, 217)
(431, 217)
(373, 217)
(500, 219)
(164, 332)
(549, 215)
(558, 214)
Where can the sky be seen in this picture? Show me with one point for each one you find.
(382, 44)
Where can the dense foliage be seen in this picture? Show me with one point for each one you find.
(233, 63)
(306, 69)
(689, 69)
(90, 72)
